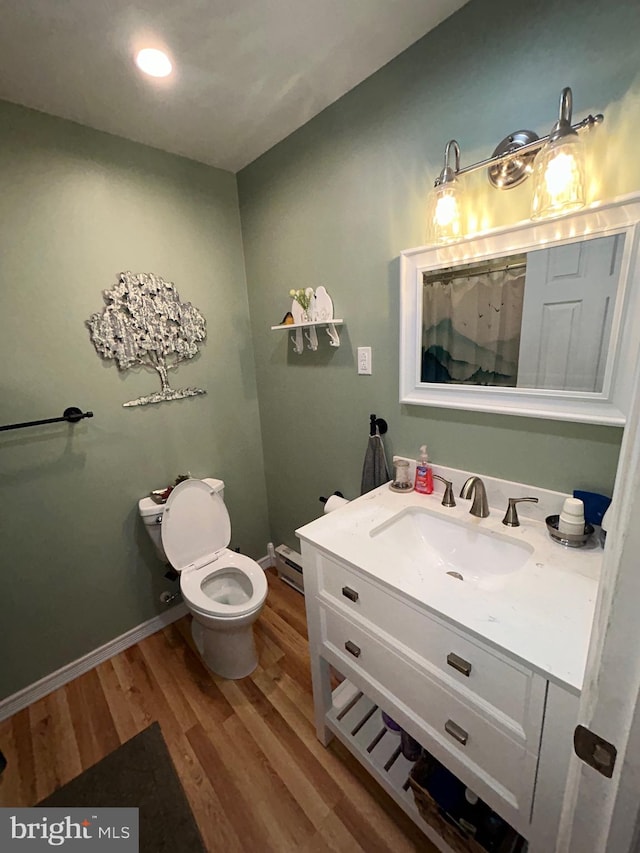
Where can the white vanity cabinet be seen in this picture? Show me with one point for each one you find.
(499, 726)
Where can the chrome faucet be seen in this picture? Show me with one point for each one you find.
(475, 487)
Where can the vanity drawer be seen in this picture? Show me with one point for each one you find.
(484, 749)
(514, 691)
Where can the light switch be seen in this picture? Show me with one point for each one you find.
(364, 361)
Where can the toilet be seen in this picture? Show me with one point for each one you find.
(223, 590)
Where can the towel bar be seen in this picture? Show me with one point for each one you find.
(72, 415)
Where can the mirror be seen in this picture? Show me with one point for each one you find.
(535, 320)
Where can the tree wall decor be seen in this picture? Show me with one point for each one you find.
(144, 323)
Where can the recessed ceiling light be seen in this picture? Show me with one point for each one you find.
(154, 62)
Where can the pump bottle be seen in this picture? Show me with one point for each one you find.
(424, 474)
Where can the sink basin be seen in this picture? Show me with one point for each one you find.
(454, 547)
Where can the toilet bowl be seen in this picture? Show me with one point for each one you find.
(224, 591)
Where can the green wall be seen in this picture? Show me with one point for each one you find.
(336, 202)
(76, 208)
(333, 204)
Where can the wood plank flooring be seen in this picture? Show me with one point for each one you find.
(245, 751)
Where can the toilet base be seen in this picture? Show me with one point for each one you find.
(229, 653)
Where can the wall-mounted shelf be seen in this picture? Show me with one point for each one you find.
(318, 312)
(310, 334)
(305, 325)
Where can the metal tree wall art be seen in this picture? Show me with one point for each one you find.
(145, 323)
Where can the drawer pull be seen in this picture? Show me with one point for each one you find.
(459, 663)
(350, 593)
(456, 732)
(352, 649)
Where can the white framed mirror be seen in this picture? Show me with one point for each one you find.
(541, 319)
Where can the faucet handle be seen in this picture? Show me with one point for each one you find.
(511, 516)
(448, 499)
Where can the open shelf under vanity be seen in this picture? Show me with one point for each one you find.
(357, 722)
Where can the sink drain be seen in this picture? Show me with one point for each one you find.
(456, 575)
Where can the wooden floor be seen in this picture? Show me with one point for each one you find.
(246, 752)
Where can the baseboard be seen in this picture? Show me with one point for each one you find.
(265, 562)
(12, 704)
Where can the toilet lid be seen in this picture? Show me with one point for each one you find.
(195, 525)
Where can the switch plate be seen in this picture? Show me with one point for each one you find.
(364, 361)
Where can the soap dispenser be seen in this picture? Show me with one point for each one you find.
(424, 474)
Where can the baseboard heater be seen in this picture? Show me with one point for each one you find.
(289, 567)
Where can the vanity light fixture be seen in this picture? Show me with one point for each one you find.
(559, 168)
(154, 62)
(445, 202)
(556, 161)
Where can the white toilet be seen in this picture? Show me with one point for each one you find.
(224, 591)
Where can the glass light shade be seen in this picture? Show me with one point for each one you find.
(444, 213)
(154, 62)
(559, 178)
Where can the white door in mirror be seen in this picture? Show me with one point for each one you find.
(567, 313)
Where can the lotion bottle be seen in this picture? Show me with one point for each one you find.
(424, 474)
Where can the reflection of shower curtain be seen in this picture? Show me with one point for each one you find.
(471, 328)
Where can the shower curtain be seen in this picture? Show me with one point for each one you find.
(471, 327)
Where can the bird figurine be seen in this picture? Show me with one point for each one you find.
(287, 320)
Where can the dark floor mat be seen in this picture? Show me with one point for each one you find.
(139, 774)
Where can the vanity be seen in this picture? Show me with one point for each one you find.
(471, 635)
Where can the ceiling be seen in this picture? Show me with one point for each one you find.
(247, 72)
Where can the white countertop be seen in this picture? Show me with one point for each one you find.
(540, 614)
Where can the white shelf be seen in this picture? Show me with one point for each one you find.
(357, 722)
(306, 325)
(310, 333)
(320, 307)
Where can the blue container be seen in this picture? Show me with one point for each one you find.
(390, 724)
(595, 505)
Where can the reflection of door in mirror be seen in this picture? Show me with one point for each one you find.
(568, 307)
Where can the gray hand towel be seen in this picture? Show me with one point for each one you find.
(374, 470)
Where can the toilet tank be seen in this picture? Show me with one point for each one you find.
(151, 514)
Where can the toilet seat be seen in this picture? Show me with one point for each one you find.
(227, 563)
(196, 531)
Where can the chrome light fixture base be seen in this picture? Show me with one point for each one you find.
(449, 172)
(512, 171)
